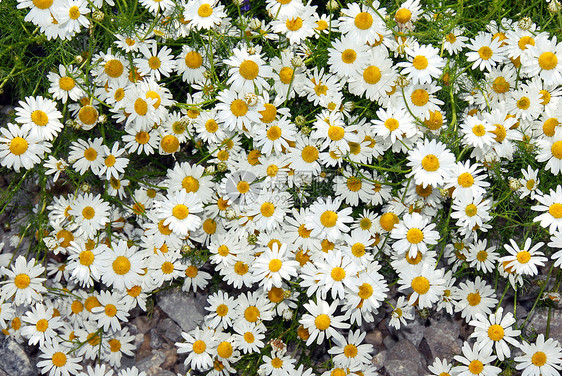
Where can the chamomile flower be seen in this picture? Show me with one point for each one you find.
(41, 325)
(467, 179)
(427, 284)
(421, 99)
(408, 13)
(234, 112)
(551, 205)
(19, 148)
(55, 360)
(155, 6)
(247, 72)
(482, 257)
(122, 265)
(544, 58)
(394, 124)
(351, 352)
(475, 297)
(454, 41)
(347, 56)
(471, 211)
(414, 233)
(191, 65)
(296, 27)
(200, 344)
(71, 15)
(23, 282)
(551, 153)
(140, 142)
(544, 357)
(327, 220)
(86, 155)
(322, 322)
(204, 14)
(249, 337)
(42, 117)
(425, 64)
(222, 309)
(477, 132)
(66, 84)
(91, 213)
(361, 23)
(431, 162)
(485, 52)
(111, 312)
(179, 212)
(475, 361)
(401, 313)
(155, 63)
(84, 263)
(523, 261)
(496, 331)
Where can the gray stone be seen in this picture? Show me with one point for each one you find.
(170, 330)
(402, 368)
(375, 338)
(378, 360)
(412, 332)
(403, 350)
(538, 321)
(442, 337)
(155, 339)
(13, 359)
(185, 309)
(389, 342)
(151, 362)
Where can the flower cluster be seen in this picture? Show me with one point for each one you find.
(302, 159)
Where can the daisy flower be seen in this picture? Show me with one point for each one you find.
(523, 261)
(234, 112)
(249, 337)
(540, 358)
(86, 155)
(200, 345)
(424, 64)
(296, 27)
(351, 353)
(471, 211)
(467, 179)
(360, 23)
(477, 133)
(179, 211)
(84, 263)
(431, 162)
(321, 322)
(525, 103)
(113, 164)
(155, 63)
(222, 309)
(485, 52)
(335, 274)
(42, 117)
(427, 284)
(475, 297)
(496, 331)
(551, 153)
(55, 361)
(454, 41)
(475, 361)
(155, 6)
(23, 282)
(71, 15)
(347, 56)
(19, 148)
(421, 100)
(112, 67)
(66, 84)
(408, 13)
(190, 63)
(544, 59)
(556, 242)
(41, 325)
(276, 365)
(394, 124)
(91, 213)
(376, 79)
(440, 367)
(482, 257)
(402, 311)
(272, 267)
(140, 141)
(327, 220)
(551, 205)
(247, 72)
(204, 14)
(111, 312)
(414, 233)
(254, 307)
(40, 11)
(122, 265)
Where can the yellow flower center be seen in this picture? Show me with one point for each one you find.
(273, 133)
(350, 351)
(328, 218)
(391, 124)
(18, 146)
(269, 114)
(114, 345)
(420, 97)
(336, 133)
(110, 310)
(121, 265)
(372, 75)
(193, 59)
(205, 10)
(249, 337)
(475, 367)
(538, 359)
(251, 314)
(348, 56)
(88, 115)
(524, 41)
(500, 85)
(86, 258)
(420, 62)
(224, 349)
(113, 68)
(365, 291)
(74, 12)
(451, 38)
(42, 4)
(154, 62)
(485, 52)
(549, 126)
(403, 15)
(388, 221)
(523, 257)
(141, 108)
(180, 211)
(556, 149)
(322, 321)
(286, 75)
(238, 107)
(420, 285)
(482, 256)
(430, 163)
(338, 273)
(240, 268)
(363, 20)
(310, 154)
(495, 332)
(471, 210)
(170, 143)
(276, 294)
(249, 69)
(275, 265)
(294, 24)
(548, 60)
(358, 249)
(473, 299)
(58, 359)
(39, 117)
(479, 130)
(88, 212)
(354, 183)
(42, 325)
(555, 210)
(414, 235)
(167, 267)
(276, 362)
(267, 209)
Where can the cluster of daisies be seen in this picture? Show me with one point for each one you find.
(302, 190)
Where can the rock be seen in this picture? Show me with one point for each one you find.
(155, 339)
(152, 363)
(442, 337)
(378, 360)
(169, 329)
(13, 359)
(185, 309)
(402, 368)
(403, 350)
(412, 332)
(538, 321)
(389, 342)
(374, 338)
